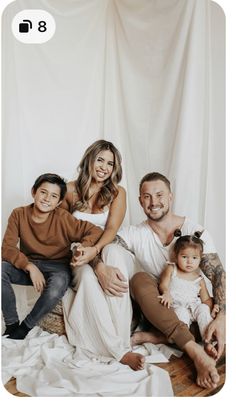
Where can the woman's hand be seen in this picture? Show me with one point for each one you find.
(82, 255)
(36, 277)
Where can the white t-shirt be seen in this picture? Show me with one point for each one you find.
(150, 253)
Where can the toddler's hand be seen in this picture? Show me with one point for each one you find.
(166, 299)
(215, 310)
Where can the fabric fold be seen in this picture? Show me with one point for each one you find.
(47, 365)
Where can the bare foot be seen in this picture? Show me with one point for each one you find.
(134, 360)
(140, 337)
(207, 375)
(211, 350)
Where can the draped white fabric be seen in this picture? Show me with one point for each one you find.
(146, 75)
(46, 365)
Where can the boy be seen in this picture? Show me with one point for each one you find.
(45, 233)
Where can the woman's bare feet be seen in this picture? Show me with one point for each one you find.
(211, 350)
(207, 375)
(134, 360)
(140, 337)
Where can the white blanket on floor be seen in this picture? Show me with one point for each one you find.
(47, 365)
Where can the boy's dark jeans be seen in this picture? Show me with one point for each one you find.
(57, 276)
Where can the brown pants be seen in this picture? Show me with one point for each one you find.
(145, 292)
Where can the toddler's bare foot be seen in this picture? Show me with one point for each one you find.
(211, 350)
(140, 337)
(207, 375)
(134, 360)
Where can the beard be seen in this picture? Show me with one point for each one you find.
(160, 217)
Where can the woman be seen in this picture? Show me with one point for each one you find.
(98, 323)
(96, 192)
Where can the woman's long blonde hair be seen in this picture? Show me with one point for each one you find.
(109, 189)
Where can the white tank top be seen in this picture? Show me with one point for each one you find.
(97, 219)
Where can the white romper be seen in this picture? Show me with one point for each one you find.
(187, 303)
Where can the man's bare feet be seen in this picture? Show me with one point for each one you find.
(134, 360)
(207, 375)
(140, 337)
(211, 350)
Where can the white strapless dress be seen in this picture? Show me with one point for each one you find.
(97, 219)
(97, 324)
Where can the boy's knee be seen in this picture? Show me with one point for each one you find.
(59, 285)
(63, 278)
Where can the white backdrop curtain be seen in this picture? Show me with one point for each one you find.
(147, 75)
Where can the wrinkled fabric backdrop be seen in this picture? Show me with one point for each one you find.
(147, 75)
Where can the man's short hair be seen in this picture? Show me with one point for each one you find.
(51, 178)
(154, 176)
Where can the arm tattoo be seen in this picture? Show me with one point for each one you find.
(118, 240)
(212, 268)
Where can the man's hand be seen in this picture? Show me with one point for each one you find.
(111, 280)
(216, 332)
(36, 277)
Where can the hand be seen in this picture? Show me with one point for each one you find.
(111, 280)
(216, 332)
(82, 255)
(166, 299)
(36, 277)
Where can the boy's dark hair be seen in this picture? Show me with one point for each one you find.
(50, 178)
(153, 177)
(183, 242)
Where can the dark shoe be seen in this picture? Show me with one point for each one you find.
(20, 332)
(10, 328)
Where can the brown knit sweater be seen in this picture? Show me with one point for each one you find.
(50, 240)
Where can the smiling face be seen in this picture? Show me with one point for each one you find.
(155, 199)
(103, 166)
(46, 197)
(188, 259)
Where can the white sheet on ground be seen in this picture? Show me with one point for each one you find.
(47, 365)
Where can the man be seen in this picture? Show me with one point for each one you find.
(151, 242)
